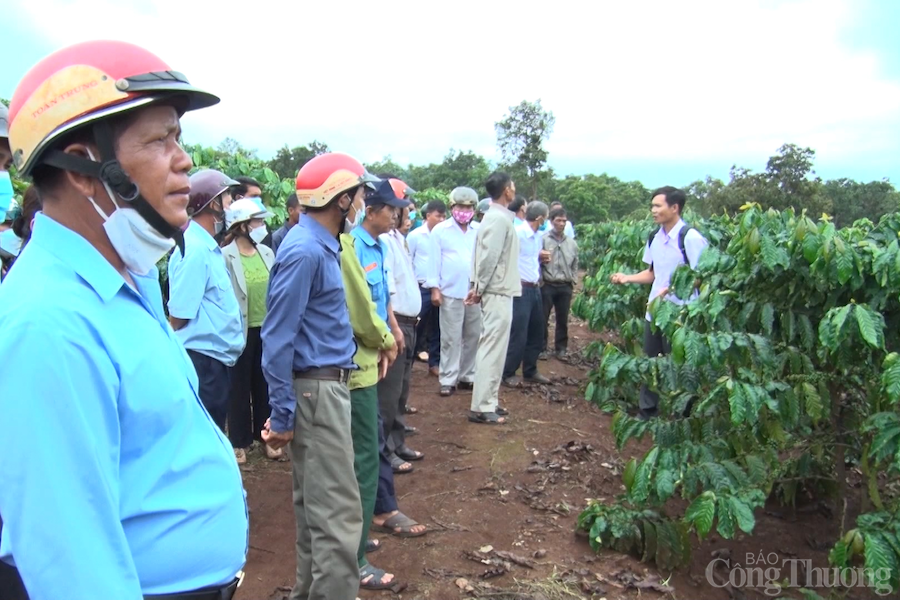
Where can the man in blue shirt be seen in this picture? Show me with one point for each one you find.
(132, 491)
(308, 350)
(203, 308)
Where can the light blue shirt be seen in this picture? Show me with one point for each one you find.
(201, 293)
(307, 322)
(115, 482)
(371, 254)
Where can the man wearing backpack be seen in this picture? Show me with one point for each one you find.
(673, 243)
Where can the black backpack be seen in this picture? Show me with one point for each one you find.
(681, 235)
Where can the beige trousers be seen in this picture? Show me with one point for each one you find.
(460, 328)
(496, 312)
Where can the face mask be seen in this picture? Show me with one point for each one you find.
(6, 194)
(258, 234)
(463, 215)
(137, 243)
(226, 220)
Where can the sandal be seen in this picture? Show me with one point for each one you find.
(410, 410)
(372, 546)
(501, 411)
(399, 525)
(397, 465)
(490, 418)
(408, 454)
(410, 430)
(375, 578)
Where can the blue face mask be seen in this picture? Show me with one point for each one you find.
(6, 194)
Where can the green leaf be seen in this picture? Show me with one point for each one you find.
(772, 255)
(628, 474)
(665, 484)
(767, 317)
(838, 554)
(726, 520)
(589, 391)
(813, 401)
(867, 327)
(678, 346)
(879, 554)
(742, 514)
(890, 377)
(807, 335)
(811, 245)
(843, 260)
(701, 513)
(738, 403)
(787, 326)
(756, 468)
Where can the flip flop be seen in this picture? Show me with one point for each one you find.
(490, 418)
(372, 546)
(377, 575)
(411, 410)
(401, 522)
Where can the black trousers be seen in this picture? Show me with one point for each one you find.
(215, 386)
(428, 331)
(249, 394)
(393, 391)
(526, 334)
(11, 586)
(558, 297)
(655, 343)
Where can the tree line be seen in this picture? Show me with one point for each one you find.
(788, 181)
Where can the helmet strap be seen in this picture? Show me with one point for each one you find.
(110, 172)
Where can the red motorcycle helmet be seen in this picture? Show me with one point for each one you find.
(401, 190)
(327, 176)
(82, 86)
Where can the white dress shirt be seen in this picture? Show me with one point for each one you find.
(404, 292)
(420, 245)
(665, 256)
(530, 245)
(451, 259)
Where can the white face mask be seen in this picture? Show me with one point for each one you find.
(137, 243)
(258, 234)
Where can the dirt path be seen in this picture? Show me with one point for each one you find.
(517, 488)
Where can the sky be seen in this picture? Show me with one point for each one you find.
(658, 91)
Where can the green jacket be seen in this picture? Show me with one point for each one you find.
(370, 331)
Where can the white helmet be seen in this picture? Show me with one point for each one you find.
(244, 210)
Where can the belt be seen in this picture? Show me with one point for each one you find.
(569, 283)
(324, 374)
(528, 284)
(222, 593)
(407, 320)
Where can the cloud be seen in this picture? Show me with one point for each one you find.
(653, 81)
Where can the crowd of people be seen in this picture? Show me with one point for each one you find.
(301, 340)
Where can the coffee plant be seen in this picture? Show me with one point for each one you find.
(781, 374)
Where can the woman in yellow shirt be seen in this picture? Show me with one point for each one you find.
(249, 262)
